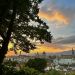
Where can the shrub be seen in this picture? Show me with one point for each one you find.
(54, 72)
(7, 70)
(37, 63)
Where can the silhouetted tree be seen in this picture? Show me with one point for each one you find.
(16, 17)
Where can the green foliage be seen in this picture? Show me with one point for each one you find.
(28, 71)
(23, 71)
(11, 63)
(37, 63)
(10, 70)
(54, 72)
(7, 70)
(71, 73)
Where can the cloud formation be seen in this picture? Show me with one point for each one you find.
(58, 12)
(66, 40)
(55, 16)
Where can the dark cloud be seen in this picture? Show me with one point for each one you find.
(65, 40)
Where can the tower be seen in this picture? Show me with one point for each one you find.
(72, 51)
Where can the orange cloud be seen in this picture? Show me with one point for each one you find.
(52, 48)
(47, 48)
(55, 16)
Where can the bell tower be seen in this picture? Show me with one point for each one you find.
(72, 52)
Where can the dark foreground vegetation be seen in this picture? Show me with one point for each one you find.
(32, 67)
(31, 71)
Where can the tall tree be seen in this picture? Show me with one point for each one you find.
(19, 23)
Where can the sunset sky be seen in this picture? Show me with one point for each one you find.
(60, 17)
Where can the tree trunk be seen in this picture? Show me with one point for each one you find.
(6, 40)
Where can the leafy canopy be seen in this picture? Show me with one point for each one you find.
(27, 23)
